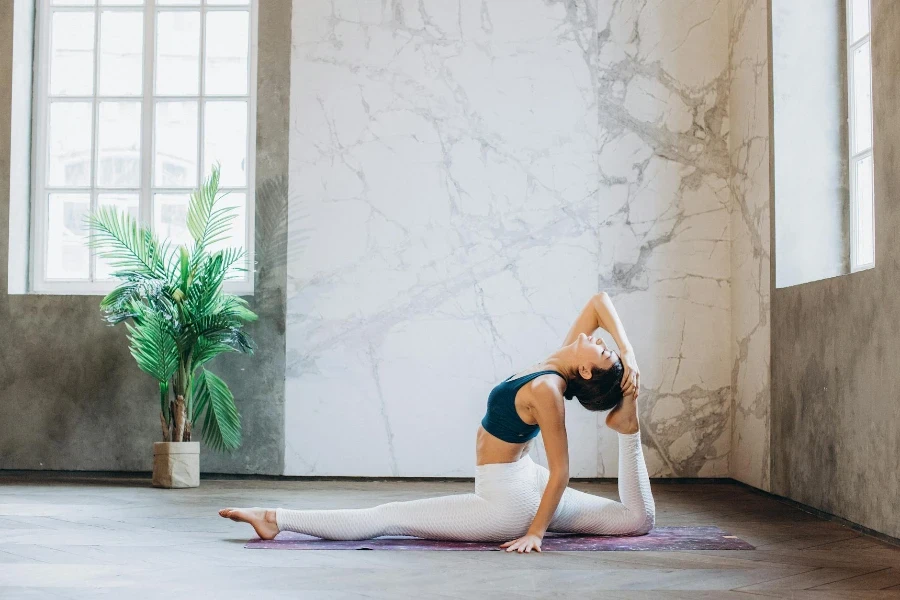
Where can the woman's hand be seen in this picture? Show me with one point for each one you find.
(631, 379)
(526, 543)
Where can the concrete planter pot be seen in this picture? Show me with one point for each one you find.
(176, 464)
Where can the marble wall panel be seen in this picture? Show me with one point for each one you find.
(751, 259)
(464, 175)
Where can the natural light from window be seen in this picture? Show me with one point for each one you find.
(134, 102)
(862, 174)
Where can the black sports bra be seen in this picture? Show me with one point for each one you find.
(501, 419)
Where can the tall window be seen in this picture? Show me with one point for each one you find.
(135, 100)
(862, 175)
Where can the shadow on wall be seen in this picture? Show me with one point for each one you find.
(282, 233)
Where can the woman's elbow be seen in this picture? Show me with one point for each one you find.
(560, 478)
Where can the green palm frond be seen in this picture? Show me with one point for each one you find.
(205, 293)
(219, 327)
(207, 349)
(135, 297)
(235, 339)
(238, 308)
(153, 346)
(131, 249)
(233, 261)
(207, 222)
(214, 402)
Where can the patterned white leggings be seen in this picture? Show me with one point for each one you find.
(505, 501)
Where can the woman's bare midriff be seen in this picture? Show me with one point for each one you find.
(490, 450)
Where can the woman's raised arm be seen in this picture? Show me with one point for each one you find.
(600, 312)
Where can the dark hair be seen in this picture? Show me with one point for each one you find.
(601, 392)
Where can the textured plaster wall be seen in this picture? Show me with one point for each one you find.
(835, 381)
(466, 174)
(70, 394)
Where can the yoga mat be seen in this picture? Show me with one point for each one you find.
(660, 538)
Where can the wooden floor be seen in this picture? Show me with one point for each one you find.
(123, 539)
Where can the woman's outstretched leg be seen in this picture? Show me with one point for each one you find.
(458, 517)
(501, 509)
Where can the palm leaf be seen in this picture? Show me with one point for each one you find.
(119, 238)
(153, 346)
(230, 259)
(208, 223)
(238, 307)
(214, 402)
(207, 349)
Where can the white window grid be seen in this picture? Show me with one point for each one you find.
(39, 283)
(858, 155)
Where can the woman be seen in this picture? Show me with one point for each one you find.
(516, 499)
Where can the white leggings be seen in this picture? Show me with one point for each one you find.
(505, 501)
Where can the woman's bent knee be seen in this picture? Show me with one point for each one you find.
(645, 523)
(637, 522)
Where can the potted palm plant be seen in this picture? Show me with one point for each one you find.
(178, 319)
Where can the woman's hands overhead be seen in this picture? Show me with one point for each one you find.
(631, 378)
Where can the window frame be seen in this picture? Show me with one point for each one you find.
(39, 210)
(854, 159)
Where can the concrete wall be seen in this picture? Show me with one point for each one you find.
(809, 83)
(835, 409)
(71, 396)
(469, 172)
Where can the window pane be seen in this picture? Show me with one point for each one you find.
(67, 251)
(862, 99)
(859, 18)
(170, 218)
(226, 52)
(73, 2)
(72, 54)
(121, 35)
(232, 2)
(130, 2)
(119, 145)
(865, 223)
(225, 141)
(177, 2)
(127, 203)
(175, 144)
(178, 53)
(69, 144)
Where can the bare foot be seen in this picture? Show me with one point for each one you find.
(261, 519)
(624, 417)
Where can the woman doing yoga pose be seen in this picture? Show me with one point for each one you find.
(516, 499)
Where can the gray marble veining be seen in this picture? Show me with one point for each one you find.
(469, 173)
(751, 258)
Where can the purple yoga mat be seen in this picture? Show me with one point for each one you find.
(661, 538)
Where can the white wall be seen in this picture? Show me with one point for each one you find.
(751, 230)
(464, 175)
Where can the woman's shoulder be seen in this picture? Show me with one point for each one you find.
(548, 387)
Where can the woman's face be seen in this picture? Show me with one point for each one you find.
(592, 352)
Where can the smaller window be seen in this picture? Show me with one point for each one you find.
(862, 174)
